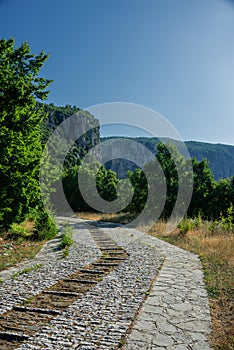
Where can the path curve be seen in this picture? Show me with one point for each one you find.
(156, 299)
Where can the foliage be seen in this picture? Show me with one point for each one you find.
(220, 157)
(139, 183)
(23, 230)
(210, 200)
(26, 270)
(203, 187)
(106, 183)
(185, 226)
(20, 131)
(45, 226)
(67, 237)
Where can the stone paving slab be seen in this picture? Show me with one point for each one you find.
(176, 313)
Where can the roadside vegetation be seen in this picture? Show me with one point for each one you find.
(67, 240)
(18, 244)
(13, 252)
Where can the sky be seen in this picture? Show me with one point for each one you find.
(175, 57)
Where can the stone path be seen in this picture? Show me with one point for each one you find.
(176, 312)
(125, 309)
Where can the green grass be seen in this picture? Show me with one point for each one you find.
(26, 270)
(67, 240)
(14, 251)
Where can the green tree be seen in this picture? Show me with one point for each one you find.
(222, 198)
(139, 183)
(20, 130)
(203, 188)
(106, 184)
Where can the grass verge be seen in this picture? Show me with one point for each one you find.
(118, 218)
(13, 252)
(67, 240)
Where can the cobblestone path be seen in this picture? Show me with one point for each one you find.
(153, 299)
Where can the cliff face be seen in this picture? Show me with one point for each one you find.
(84, 121)
(220, 157)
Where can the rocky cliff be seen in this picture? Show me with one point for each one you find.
(85, 121)
(220, 157)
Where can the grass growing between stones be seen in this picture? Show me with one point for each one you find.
(215, 249)
(26, 270)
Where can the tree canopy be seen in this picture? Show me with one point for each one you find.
(20, 130)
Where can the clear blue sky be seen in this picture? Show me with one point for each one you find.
(175, 56)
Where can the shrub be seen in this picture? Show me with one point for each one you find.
(45, 226)
(23, 230)
(67, 239)
(185, 225)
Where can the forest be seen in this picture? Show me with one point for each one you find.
(26, 123)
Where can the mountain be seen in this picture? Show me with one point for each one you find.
(85, 121)
(219, 156)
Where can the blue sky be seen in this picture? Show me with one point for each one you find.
(176, 57)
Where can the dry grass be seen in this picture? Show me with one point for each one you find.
(121, 218)
(12, 252)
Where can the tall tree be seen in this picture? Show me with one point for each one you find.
(203, 188)
(20, 130)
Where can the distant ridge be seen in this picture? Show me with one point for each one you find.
(219, 156)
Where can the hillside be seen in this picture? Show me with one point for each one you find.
(87, 140)
(219, 156)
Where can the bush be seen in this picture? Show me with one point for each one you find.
(185, 225)
(45, 226)
(24, 230)
(227, 222)
(67, 239)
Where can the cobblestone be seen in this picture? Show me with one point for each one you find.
(155, 299)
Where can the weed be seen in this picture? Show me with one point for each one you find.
(67, 240)
(105, 255)
(67, 237)
(12, 252)
(145, 292)
(185, 225)
(65, 251)
(28, 300)
(121, 342)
